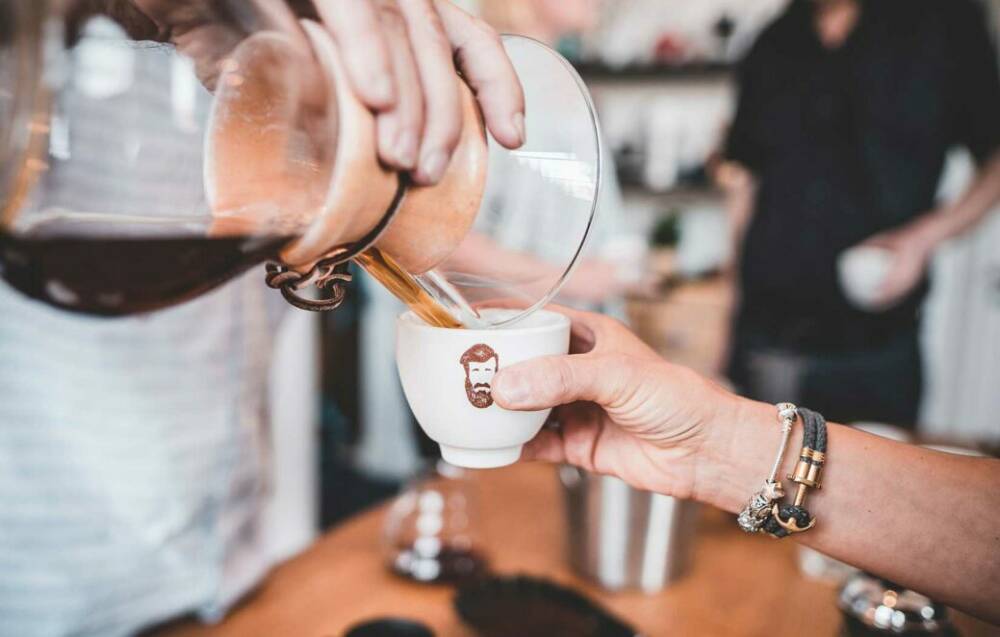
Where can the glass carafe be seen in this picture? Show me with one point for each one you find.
(134, 176)
(432, 529)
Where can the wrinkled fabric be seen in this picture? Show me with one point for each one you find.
(131, 450)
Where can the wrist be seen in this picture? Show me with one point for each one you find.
(738, 453)
(931, 230)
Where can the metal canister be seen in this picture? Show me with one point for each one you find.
(624, 538)
(872, 607)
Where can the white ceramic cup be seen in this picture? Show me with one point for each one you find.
(862, 270)
(446, 376)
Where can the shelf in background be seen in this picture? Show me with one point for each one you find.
(681, 196)
(600, 72)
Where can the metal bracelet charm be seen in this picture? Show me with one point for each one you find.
(795, 518)
(751, 519)
(788, 519)
(758, 509)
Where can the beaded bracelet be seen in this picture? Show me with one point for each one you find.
(763, 512)
(757, 511)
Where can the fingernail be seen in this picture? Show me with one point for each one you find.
(406, 149)
(518, 122)
(511, 388)
(382, 89)
(432, 165)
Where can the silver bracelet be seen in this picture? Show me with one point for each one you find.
(757, 510)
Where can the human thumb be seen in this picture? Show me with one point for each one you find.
(551, 381)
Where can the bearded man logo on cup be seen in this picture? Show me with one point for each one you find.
(481, 364)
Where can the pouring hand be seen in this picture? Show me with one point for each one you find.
(401, 56)
(622, 409)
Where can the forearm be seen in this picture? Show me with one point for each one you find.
(479, 254)
(144, 19)
(741, 192)
(964, 214)
(917, 517)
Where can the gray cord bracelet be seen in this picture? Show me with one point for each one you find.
(787, 519)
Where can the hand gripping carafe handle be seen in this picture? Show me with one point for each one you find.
(341, 202)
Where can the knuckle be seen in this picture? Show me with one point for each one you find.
(443, 126)
(417, 8)
(435, 36)
(395, 29)
(578, 453)
(390, 13)
(483, 34)
(411, 117)
(391, 124)
(422, 15)
(620, 363)
(619, 368)
(563, 376)
(604, 327)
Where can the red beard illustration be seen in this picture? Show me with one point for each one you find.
(479, 394)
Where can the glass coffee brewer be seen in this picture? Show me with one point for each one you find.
(134, 177)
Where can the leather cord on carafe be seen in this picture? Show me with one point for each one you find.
(331, 272)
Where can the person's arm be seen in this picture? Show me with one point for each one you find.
(974, 101)
(743, 151)
(740, 190)
(914, 244)
(734, 172)
(593, 280)
(963, 215)
(924, 519)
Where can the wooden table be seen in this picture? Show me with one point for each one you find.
(739, 585)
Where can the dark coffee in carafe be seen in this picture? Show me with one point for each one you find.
(111, 271)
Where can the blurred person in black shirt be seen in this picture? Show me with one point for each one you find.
(846, 113)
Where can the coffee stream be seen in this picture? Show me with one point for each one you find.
(398, 281)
